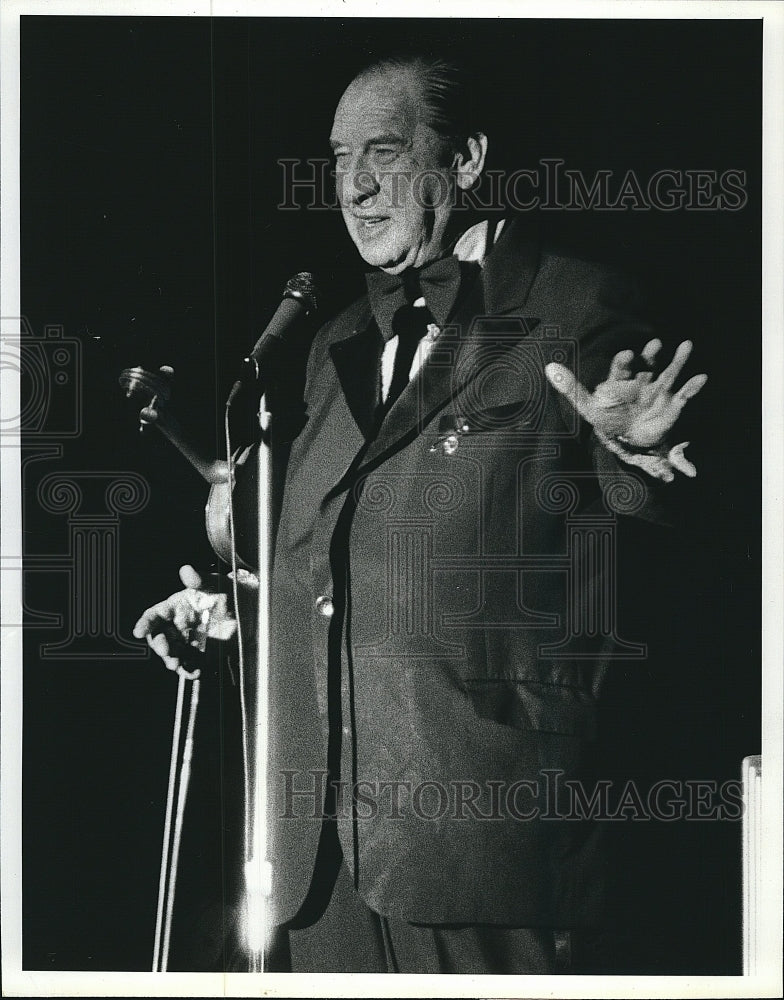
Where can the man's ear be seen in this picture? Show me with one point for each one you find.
(468, 168)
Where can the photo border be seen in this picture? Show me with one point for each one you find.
(17, 982)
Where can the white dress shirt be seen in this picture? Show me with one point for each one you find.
(473, 246)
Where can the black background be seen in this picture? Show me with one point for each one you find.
(150, 231)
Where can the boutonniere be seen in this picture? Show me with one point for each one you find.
(451, 427)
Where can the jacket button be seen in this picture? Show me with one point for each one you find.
(324, 606)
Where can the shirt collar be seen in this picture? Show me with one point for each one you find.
(477, 242)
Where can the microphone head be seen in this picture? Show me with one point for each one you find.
(301, 287)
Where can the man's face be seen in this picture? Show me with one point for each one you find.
(393, 184)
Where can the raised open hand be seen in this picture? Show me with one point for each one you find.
(632, 413)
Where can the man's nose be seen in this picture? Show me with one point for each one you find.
(362, 183)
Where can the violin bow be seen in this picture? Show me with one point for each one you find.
(179, 779)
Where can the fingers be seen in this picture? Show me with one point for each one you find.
(648, 355)
(650, 351)
(169, 610)
(667, 378)
(565, 382)
(190, 577)
(160, 645)
(622, 363)
(691, 388)
(153, 618)
(177, 629)
(678, 460)
(173, 650)
(142, 626)
(621, 367)
(174, 614)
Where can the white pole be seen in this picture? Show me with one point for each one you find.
(257, 865)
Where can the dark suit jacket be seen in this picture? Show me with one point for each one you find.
(468, 549)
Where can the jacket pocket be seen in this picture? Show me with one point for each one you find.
(475, 417)
(562, 709)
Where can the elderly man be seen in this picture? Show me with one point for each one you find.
(444, 591)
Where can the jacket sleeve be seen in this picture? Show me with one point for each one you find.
(611, 317)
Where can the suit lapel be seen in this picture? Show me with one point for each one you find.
(455, 359)
(356, 359)
(511, 267)
(435, 383)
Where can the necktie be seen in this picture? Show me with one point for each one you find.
(409, 325)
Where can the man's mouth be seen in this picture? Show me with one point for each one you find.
(370, 222)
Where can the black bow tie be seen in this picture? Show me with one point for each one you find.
(438, 282)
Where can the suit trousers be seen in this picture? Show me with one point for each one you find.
(348, 936)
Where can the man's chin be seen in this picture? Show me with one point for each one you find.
(389, 256)
(386, 259)
(396, 257)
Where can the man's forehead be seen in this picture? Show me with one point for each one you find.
(375, 105)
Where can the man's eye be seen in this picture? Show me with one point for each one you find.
(385, 154)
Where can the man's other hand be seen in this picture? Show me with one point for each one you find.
(631, 412)
(186, 620)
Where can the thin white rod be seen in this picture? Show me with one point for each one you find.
(185, 774)
(167, 822)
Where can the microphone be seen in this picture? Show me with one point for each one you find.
(299, 299)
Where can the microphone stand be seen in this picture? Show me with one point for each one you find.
(258, 868)
(299, 297)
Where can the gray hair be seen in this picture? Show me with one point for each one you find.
(441, 89)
